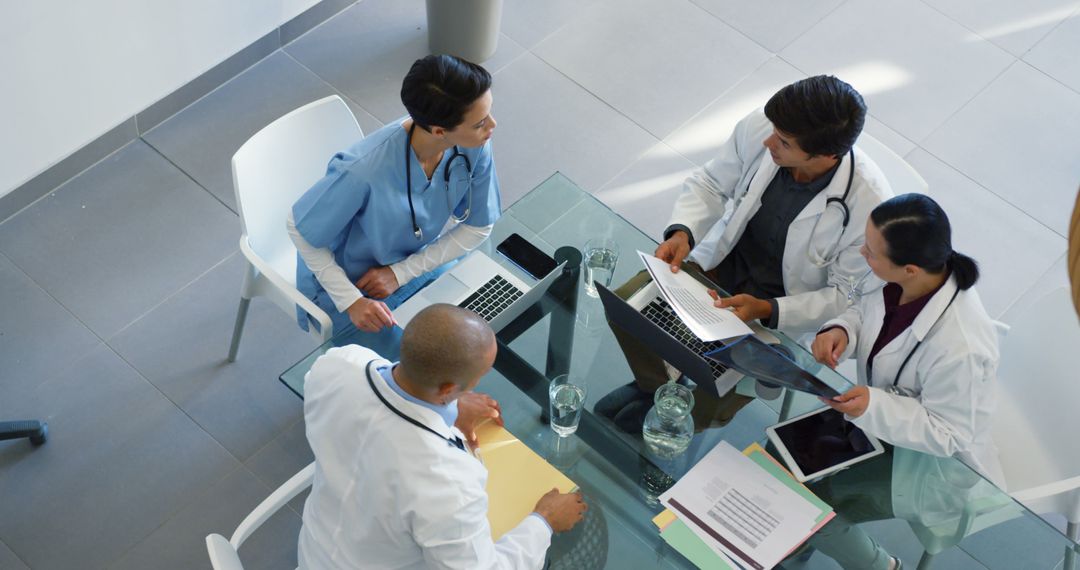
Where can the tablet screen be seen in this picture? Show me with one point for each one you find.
(820, 441)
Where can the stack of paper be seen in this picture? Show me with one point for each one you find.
(692, 303)
(735, 510)
(517, 477)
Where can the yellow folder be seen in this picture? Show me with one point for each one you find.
(517, 478)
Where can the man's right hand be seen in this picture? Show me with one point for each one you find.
(674, 250)
(561, 510)
(370, 315)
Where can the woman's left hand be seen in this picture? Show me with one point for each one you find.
(853, 402)
(378, 282)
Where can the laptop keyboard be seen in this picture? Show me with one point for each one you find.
(492, 298)
(663, 316)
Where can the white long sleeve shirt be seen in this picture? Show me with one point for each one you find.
(454, 242)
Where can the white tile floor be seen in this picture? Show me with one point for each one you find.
(625, 97)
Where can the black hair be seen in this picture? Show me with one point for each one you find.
(824, 114)
(917, 232)
(438, 90)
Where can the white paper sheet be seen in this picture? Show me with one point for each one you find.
(692, 303)
(739, 510)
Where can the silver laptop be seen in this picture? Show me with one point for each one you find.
(647, 314)
(479, 284)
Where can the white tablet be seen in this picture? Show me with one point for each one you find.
(821, 442)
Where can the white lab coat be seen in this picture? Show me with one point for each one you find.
(814, 294)
(388, 494)
(949, 383)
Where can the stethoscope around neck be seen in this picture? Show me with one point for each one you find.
(894, 388)
(417, 230)
(841, 203)
(456, 442)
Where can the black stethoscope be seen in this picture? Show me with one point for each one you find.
(456, 442)
(894, 388)
(417, 231)
(823, 260)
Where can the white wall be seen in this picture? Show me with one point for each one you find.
(70, 70)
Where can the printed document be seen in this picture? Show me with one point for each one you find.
(740, 511)
(692, 303)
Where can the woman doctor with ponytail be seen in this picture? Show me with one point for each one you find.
(927, 352)
(927, 356)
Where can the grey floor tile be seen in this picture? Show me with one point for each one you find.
(644, 192)
(529, 21)
(547, 123)
(366, 50)
(9, 561)
(915, 66)
(282, 458)
(700, 138)
(1054, 278)
(616, 46)
(180, 543)
(1009, 262)
(1016, 140)
(114, 241)
(83, 158)
(507, 51)
(29, 320)
(1015, 26)
(896, 142)
(1024, 542)
(202, 138)
(120, 460)
(205, 83)
(1056, 53)
(774, 25)
(181, 346)
(312, 18)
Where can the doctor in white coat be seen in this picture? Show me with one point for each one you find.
(395, 484)
(927, 359)
(777, 219)
(792, 183)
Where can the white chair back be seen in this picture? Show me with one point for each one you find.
(1037, 420)
(278, 164)
(901, 176)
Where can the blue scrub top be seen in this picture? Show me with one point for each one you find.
(360, 209)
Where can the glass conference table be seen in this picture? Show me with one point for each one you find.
(566, 332)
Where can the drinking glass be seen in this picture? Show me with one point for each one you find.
(566, 402)
(599, 258)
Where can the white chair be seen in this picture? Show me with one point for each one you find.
(223, 553)
(901, 176)
(270, 172)
(1036, 425)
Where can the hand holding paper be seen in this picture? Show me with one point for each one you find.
(693, 304)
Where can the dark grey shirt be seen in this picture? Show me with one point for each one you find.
(755, 264)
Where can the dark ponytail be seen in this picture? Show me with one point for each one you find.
(964, 269)
(917, 232)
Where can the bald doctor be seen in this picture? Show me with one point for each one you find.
(396, 485)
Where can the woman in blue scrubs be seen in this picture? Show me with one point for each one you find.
(403, 201)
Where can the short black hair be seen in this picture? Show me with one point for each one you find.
(438, 90)
(917, 232)
(824, 114)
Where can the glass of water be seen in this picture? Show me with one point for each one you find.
(599, 257)
(566, 402)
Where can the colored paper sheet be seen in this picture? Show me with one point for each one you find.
(517, 478)
(682, 539)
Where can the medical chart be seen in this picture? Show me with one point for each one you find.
(692, 303)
